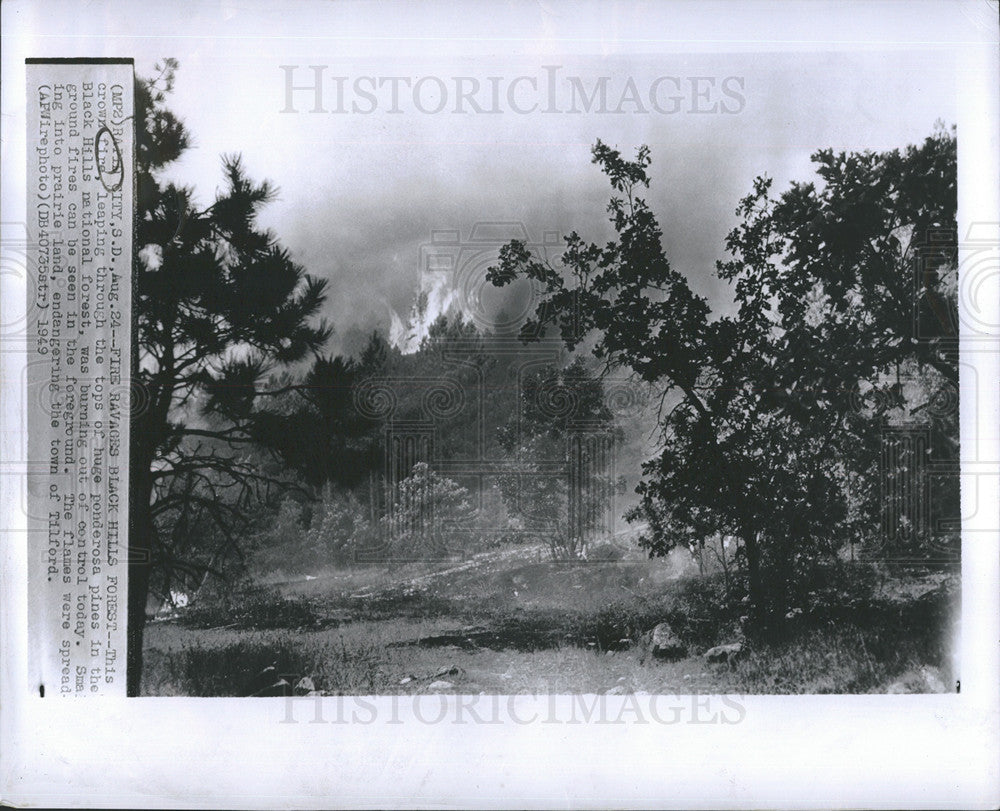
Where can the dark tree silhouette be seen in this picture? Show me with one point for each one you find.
(221, 305)
(771, 418)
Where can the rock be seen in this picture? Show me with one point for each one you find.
(899, 688)
(665, 643)
(447, 671)
(927, 679)
(615, 691)
(441, 685)
(406, 679)
(724, 653)
(263, 682)
(279, 688)
(304, 686)
(933, 679)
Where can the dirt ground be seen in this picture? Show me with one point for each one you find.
(508, 621)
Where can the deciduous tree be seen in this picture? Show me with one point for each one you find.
(771, 418)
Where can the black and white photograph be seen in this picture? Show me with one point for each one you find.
(386, 443)
(525, 378)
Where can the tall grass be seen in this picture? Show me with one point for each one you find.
(252, 664)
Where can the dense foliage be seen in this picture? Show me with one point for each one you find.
(775, 419)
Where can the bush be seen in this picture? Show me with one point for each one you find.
(428, 509)
(339, 531)
(871, 645)
(281, 546)
(301, 539)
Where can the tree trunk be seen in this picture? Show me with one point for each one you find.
(138, 594)
(725, 563)
(142, 538)
(755, 575)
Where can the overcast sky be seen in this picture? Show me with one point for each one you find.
(361, 193)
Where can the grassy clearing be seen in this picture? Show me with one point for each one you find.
(352, 659)
(503, 625)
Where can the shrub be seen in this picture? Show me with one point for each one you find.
(876, 644)
(300, 539)
(281, 545)
(428, 508)
(339, 531)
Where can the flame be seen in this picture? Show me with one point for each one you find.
(437, 296)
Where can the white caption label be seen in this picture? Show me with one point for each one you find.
(80, 215)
